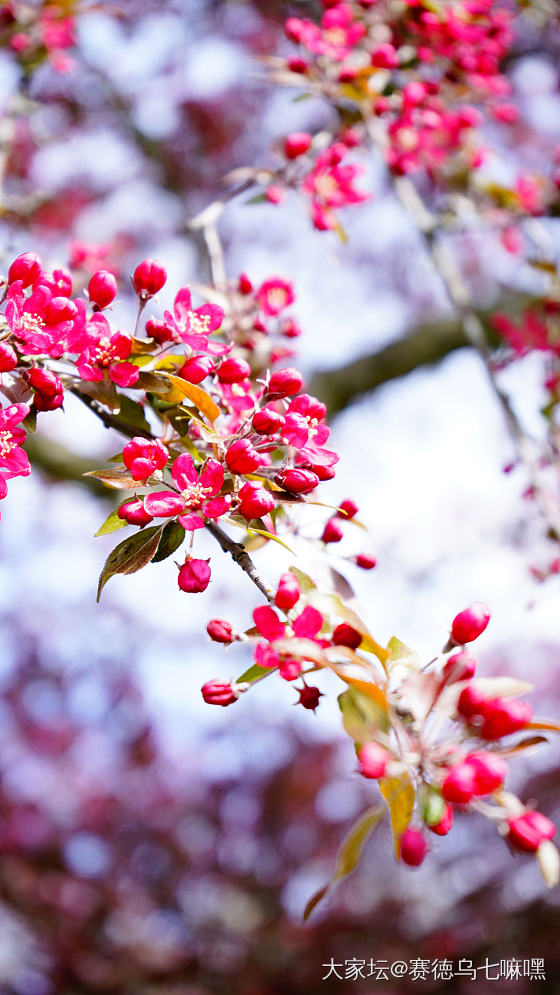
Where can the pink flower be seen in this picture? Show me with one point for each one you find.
(14, 461)
(306, 626)
(106, 351)
(198, 494)
(194, 325)
(274, 295)
(330, 186)
(143, 456)
(45, 324)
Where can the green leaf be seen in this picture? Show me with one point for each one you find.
(112, 523)
(179, 390)
(305, 582)
(30, 420)
(399, 795)
(362, 714)
(253, 674)
(133, 413)
(119, 478)
(349, 854)
(269, 535)
(172, 537)
(131, 555)
(259, 198)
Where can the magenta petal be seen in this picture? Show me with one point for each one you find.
(309, 623)
(265, 656)
(268, 623)
(17, 463)
(124, 374)
(89, 372)
(212, 475)
(295, 431)
(184, 471)
(182, 305)
(163, 504)
(216, 507)
(214, 312)
(13, 415)
(191, 522)
(121, 345)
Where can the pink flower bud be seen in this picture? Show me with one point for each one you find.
(365, 561)
(284, 383)
(219, 693)
(445, 822)
(289, 668)
(527, 831)
(233, 370)
(413, 847)
(254, 500)
(385, 57)
(194, 576)
(333, 531)
(346, 635)
(460, 784)
(275, 194)
(297, 481)
(267, 421)
(244, 284)
(149, 277)
(159, 330)
(220, 631)
(297, 65)
(134, 513)
(242, 457)
(472, 702)
(459, 667)
(297, 144)
(44, 381)
(470, 623)
(8, 358)
(347, 509)
(288, 592)
(503, 717)
(373, 760)
(143, 456)
(197, 368)
(102, 288)
(309, 697)
(489, 771)
(26, 268)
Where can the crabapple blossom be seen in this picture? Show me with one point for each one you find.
(144, 456)
(470, 623)
(149, 277)
(528, 831)
(194, 576)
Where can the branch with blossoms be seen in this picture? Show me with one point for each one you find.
(221, 435)
(218, 437)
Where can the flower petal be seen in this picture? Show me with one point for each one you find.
(191, 522)
(184, 471)
(163, 504)
(268, 623)
(309, 623)
(212, 476)
(215, 507)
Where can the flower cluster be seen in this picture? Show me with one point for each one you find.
(37, 32)
(432, 736)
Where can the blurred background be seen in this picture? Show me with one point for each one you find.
(150, 844)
